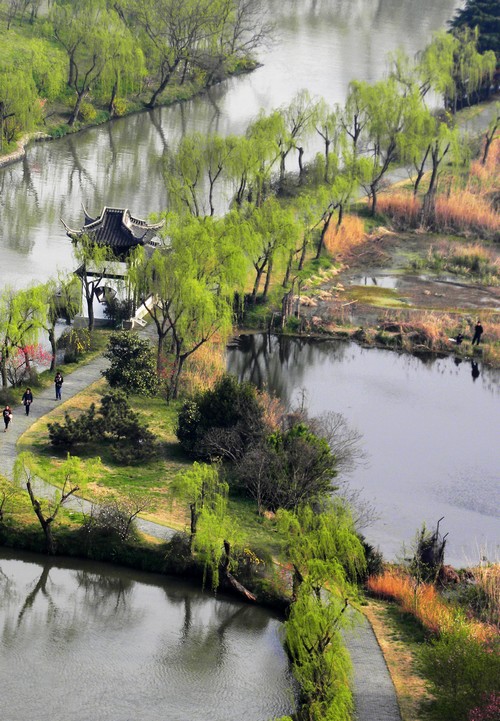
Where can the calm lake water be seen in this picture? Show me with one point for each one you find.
(87, 641)
(430, 432)
(322, 45)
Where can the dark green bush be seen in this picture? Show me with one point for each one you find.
(223, 421)
(115, 424)
(462, 671)
(132, 365)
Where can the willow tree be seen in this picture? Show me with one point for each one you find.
(326, 556)
(483, 15)
(193, 171)
(95, 261)
(274, 232)
(19, 106)
(97, 46)
(452, 66)
(391, 112)
(213, 534)
(62, 298)
(328, 126)
(22, 316)
(192, 284)
(448, 144)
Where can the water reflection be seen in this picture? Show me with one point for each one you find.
(419, 418)
(134, 646)
(326, 42)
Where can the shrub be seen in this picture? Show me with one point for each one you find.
(87, 112)
(222, 421)
(80, 430)
(132, 367)
(120, 107)
(462, 671)
(488, 710)
(118, 310)
(115, 423)
(75, 342)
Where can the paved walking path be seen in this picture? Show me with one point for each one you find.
(43, 402)
(374, 693)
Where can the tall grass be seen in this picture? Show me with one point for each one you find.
(469, 210)
(464, 212)
(404, 209)
(204, 368)
(487, 583)
(424, 602)
(341, 239)
(469, 259)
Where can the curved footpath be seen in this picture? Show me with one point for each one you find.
(374, 693)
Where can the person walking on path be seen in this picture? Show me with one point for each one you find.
(27, 400)
(58, 381)
(7, 417)
(478, 331)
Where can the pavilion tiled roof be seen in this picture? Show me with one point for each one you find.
(117, 229)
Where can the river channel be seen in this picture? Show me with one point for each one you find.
(81, 640)
(429, 430)
(321, 45)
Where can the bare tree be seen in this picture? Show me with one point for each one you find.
(23, 472)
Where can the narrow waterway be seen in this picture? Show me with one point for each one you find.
(81, 640)
(321, 45)
(429, 430)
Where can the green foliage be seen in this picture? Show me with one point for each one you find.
(462, 670)
(75, 342)
(452, 66)
(289, 468)
(75, 431)
(212, 531)
(320, 662)
(114, 423)
(132, 365)
(483, 15)
(323, 546)
(22, 316)
(222, 421)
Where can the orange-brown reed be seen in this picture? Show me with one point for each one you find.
(424, 602)
(341, 239)
(204, 368)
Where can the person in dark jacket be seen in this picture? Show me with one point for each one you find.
(27, 399)
(7, 417)
(58, 381)
(478, 332)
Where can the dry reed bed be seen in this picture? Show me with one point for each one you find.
(423, 601)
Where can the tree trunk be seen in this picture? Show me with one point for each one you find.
(111, 105)
(89, 297)
(373, 192)
(286, 279)
(301, 164)
(53, 348)
(76, 110)
(303, 251)
(268, 279)
(162, 85)
(234, 583)
(488, 141)
(324, 230)
(45, 523)
(256, 284)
